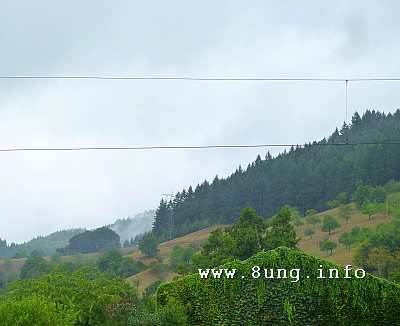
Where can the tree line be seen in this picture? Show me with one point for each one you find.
(304, 177)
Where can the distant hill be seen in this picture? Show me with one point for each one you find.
(45, 245)
(305, 177)
(130, 227)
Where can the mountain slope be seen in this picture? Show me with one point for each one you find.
(305, 177)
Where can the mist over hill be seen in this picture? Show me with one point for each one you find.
(128, 228)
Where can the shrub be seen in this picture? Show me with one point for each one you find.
(34, 310)
(96, 298)
(149, 244)
(34, 266)
(328, 246)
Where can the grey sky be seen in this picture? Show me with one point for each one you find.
(43, 192)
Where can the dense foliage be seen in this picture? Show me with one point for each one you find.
(306, 177)
(91, 297)
(279, 301)
(148, 244)
(34, 266)
(356, 235)
(101, 239)
(328, 246)
(329, 224)
(249, 235)
(180, 259)
(380, 250)
(115, 264)
(35, 310)
(84, 297)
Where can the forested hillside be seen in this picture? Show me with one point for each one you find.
(45, 245)
(127, 229)
(304, 177)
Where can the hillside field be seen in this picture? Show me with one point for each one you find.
(145, 278)
(341, 255)
(142, 280)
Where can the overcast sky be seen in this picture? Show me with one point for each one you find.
(43, 192)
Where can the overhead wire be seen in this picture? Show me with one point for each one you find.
(185, 78)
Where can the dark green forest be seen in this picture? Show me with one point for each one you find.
(100, 239)
(304, 177)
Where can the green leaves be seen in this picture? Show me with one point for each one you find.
(249, 235)
(100, 239)
(179, 258)
(311, 301)
(328, 245)
(35, 311)
(34, 266)
(149, 244)
(115, 264)
(370, 209)
(281, 232)
(93, 297)
(329, 224)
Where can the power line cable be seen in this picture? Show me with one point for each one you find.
(184, 78)
(177, 78)
(123, 148)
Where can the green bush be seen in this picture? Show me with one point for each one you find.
(34, 266)
(34, 311)
(311, 301)
(151, 314)
(113, 263)
(96, 298)
(148, 244)
(179, 258)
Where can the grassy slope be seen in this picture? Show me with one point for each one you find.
(341, 256)
(145, 278)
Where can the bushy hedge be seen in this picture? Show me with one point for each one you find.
(35, 311)
(311, 301)
(93, 298)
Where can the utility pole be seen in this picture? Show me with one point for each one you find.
(171, 219)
